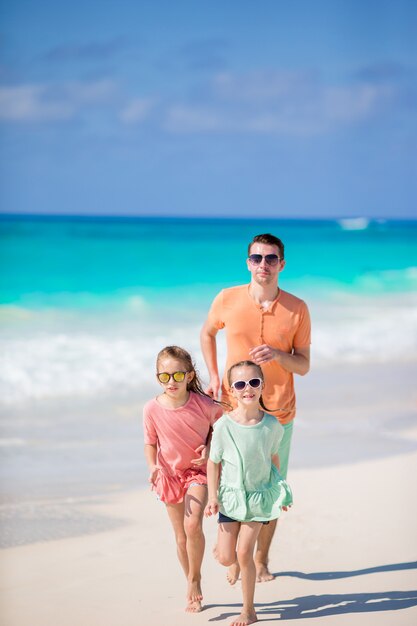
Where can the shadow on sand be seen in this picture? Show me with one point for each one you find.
(359, 572)
(330, 604)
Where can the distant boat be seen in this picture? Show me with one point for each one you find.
(354, 223)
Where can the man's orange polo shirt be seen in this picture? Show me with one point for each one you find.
(284, 325)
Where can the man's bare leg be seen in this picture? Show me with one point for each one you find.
(262, 552)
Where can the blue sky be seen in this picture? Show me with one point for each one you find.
(239, 108)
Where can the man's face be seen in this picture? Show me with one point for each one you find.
(263, 273)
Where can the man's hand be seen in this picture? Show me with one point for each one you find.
(296, 362)
(213, 388)
(263, 354)
(202, 451)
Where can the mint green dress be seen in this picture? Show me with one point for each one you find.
(251, 488)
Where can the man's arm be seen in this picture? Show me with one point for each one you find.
(296, 362)
(209, 349)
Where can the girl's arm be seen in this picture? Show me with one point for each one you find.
(150, 456)
(213, 474)
(275, 460)
(209, 437)
(203, 450)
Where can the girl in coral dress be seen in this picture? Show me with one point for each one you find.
(177, 431)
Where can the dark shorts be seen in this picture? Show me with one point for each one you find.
(223, 519)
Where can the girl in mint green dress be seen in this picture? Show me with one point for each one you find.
(249, 490)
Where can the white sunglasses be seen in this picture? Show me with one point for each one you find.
(240, 385)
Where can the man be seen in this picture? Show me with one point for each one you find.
(272, 328)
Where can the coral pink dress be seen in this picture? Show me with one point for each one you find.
(177, 433)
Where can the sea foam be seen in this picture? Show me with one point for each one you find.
(69, 355)
(354, 223)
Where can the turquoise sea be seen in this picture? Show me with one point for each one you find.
(86, 303)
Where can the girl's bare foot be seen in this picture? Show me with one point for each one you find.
(263, 575)
(194, 597)
(233, 573)
(194, 607)
(245, 619)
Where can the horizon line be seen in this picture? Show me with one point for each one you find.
(161, 216)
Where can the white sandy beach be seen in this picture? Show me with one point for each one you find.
(346, 553)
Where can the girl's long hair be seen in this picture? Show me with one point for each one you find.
(180, 354)
(260, 373)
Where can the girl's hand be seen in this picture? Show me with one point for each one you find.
(153, 474)
(202, 451)
(212, 508)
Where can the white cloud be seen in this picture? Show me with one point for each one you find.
(355, 102)
(28, 103)
(263, 102)
(89, 93)
(262, 86)
(183, 119)
(279, 103)
(188, 119)
(137, 110)
(285, 123)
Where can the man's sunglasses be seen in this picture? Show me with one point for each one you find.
(240, 385)
(270, 259)
(164, 377)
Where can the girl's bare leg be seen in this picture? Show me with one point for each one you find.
(195, 501)
(248, 535)
(262, 552)
(176, 517)
(225, 549)
(233, 573)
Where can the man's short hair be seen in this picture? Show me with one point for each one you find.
(269, 240)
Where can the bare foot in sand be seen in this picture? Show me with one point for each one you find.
(233, 573)
(244, 619)
(263, 575)
(194, 607)
(194, 598)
